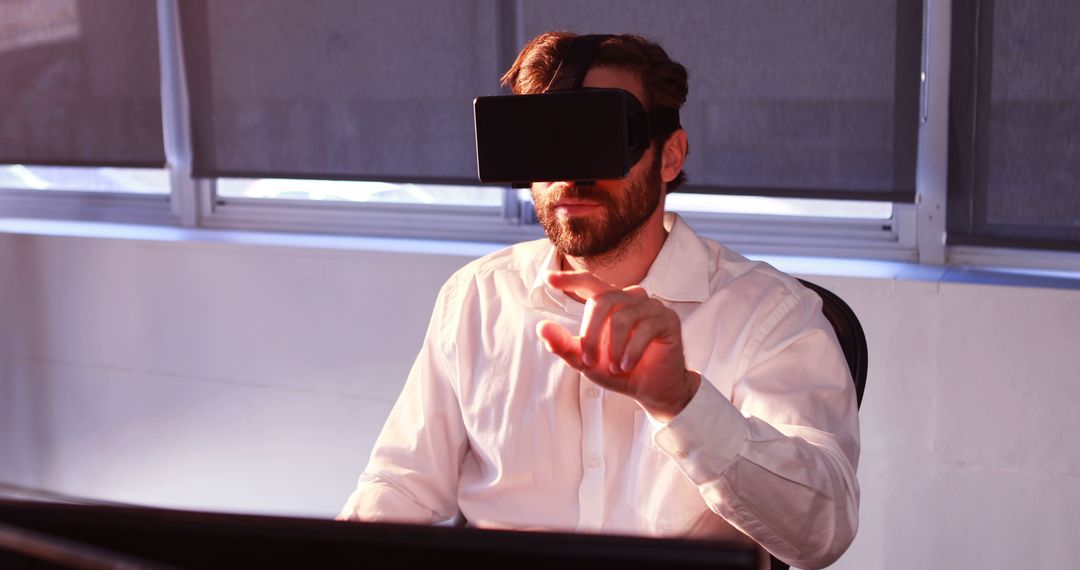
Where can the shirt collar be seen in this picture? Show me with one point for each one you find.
(680, 271)
(538, 289)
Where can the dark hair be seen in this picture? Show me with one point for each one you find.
(663, 78)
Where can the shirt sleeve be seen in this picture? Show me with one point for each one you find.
(777, 460)
(412, 475)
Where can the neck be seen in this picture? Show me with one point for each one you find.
(629, 264)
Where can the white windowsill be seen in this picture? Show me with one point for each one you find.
(799, 265)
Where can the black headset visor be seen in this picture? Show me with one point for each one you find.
(580, 135)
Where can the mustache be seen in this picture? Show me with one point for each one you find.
(574, 192)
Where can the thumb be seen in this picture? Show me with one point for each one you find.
(560, 342)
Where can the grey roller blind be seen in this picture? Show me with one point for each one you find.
(1014, 161)
(79, 83)
(340, 89)
(787, 97)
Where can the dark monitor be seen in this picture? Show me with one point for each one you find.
(186, 539)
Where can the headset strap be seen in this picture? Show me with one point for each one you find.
(662, 122)
(572, 69)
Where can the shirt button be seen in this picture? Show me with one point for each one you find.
(592, 392)
(594, 462)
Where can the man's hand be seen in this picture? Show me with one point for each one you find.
(629, 343)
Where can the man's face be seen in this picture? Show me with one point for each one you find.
(592, 221)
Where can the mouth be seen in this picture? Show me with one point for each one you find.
(567, 200)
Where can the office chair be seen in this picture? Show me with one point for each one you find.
(850, 334)
(848, 331)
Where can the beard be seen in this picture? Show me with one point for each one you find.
(609, 233)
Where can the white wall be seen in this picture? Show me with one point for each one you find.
(254, 378)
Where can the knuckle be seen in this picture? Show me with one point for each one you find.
(622, 318)
(663, 310)
(651, 329)
(602, 301)
(672, 319)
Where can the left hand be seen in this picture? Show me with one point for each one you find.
(629, 343)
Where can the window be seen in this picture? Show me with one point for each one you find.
(1014, 157)
(382, 119)
(360, 90)
(74, 91)
(81, 129)
(787, 99)
(766, 206)
(357, 191)
(85, 179)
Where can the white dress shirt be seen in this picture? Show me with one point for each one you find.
(491, 424)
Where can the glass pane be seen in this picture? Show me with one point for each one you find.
(79, 179)
(779, 206)
(1014, 154)
(79, 83)
(1034, 126)
(783, 95)
(354, 89)
(353, 191)
(716, 204)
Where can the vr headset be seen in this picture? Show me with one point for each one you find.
(566, 133)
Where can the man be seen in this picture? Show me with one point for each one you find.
(705, 395)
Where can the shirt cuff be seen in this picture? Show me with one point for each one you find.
(705, 437)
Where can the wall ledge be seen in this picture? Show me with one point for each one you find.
(799, 265)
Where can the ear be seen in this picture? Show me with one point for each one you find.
(671, 164)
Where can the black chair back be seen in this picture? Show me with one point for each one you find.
(848, 331)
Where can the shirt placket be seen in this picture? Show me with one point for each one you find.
(591, 493)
